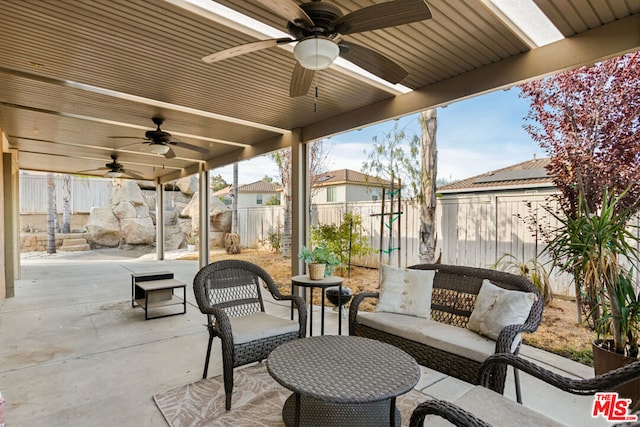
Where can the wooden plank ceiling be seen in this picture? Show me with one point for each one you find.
(74, 74)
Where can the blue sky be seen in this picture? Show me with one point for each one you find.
(474, 136)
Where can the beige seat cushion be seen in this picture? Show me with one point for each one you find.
(496, 410)
(451, 339)
(260, 325)
(405, 291)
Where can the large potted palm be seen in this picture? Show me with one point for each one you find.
(600, 249)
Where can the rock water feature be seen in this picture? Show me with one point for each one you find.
(131, 220)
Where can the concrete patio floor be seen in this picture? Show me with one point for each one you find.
(73, 352)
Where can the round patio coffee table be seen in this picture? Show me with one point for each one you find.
(342, 380)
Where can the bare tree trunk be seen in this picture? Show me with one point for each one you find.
(52, 216)
(234, 203)
(66, 207)
(428, 237)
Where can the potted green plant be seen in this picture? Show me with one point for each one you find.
(601, 250)
(320, 260)
(192, 241)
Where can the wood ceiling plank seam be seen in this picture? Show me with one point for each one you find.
(196, 88)
(509, 41)
(587, 12)
(452, 21)
(405, 55)
(119, 36)
(633, 7)
(604, 11)
(557, 18)
(196, 32)
(440, 65)
(572, 16)
(257, 12)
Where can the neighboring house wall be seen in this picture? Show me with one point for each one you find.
(347, 193)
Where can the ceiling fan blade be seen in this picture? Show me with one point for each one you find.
(169, 154)
(93, 170)
(373, 62)
(125, 137)
(301, 80)
(132, 174)
(244, 48)
(383, 15)
(190, 147)
(288, 10)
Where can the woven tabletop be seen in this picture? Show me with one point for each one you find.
(343, 369)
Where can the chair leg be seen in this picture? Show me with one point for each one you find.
(516, 380)
(206, 360)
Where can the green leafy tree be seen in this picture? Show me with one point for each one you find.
(218, 183)
(340, 238)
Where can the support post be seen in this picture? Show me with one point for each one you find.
(299, 199)
(203, 237)
(159, 220)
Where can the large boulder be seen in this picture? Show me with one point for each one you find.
(188, 185)
(103, 228)
(126, 190)
(138, 231)
(130, 207)
(219, 213)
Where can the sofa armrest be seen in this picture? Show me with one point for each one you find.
(355, 305)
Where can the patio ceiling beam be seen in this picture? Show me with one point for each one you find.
(606, 41)
(267, 146)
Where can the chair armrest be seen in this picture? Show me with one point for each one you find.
(302, 311)
(588, 386)
(355, 304)
(446, 410)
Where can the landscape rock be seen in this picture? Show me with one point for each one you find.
(103, 228)
(188, 185)
(138, 231)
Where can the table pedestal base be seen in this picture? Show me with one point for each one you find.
(318, 413)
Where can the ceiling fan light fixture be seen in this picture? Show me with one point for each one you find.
(159, 149)
(114, 174)
(316, 53)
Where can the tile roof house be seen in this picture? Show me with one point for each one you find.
(250, 195)
(346, 185)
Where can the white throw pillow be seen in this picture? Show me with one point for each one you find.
(497, 307)
(406, 291)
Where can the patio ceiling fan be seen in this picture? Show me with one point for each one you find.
(159, 141)
(318, 28)
(115, 169)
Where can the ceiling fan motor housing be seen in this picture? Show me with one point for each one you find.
(322, 14)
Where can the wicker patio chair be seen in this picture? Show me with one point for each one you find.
(228, 292)
(455, 414)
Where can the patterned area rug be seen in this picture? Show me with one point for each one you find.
(257, 401)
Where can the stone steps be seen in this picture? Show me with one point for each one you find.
(74, 244)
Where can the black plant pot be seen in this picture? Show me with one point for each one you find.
(333, 292)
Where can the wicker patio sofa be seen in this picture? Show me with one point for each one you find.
(442, 341)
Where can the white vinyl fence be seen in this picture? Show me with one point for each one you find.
(85, 193)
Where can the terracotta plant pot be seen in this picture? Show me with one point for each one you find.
(316, 271)
(605, 361)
